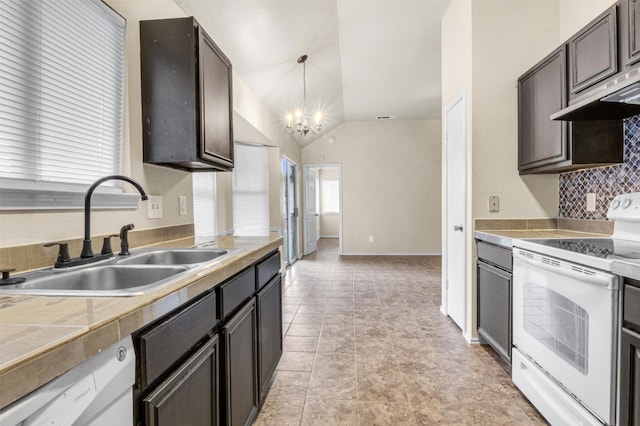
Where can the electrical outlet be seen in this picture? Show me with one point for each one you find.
(591, 202)
(183, 205)
(494, 203)
(370, 238)
(154, 207)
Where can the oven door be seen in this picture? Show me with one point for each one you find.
(564, 319)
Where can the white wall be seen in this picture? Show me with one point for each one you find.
(390, 179)
(575, 14)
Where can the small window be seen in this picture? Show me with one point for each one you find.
(61, 99)
(250, 191)
(204, 206)
(330, 197)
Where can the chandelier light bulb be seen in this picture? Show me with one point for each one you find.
(302, 127)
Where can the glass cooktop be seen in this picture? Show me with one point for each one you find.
(604, 248)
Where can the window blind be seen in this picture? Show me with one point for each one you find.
(250, 190)
(330, 196)
(204, 206)
(61, 91)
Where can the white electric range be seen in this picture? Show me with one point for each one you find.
(565, 317)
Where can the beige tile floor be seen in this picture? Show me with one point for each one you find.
(365, 344)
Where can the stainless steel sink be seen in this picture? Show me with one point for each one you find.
(145, 270)
(173, 257)
(108, 280)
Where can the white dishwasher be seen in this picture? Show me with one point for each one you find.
(97, 392)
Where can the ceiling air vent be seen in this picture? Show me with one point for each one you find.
(386, 117)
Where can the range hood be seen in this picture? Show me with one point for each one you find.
(618, 99)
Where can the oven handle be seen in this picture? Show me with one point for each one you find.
(568, 269)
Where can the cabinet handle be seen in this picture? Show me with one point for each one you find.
(457, 228)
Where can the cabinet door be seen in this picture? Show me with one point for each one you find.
(593, 52)
(542, 92)
(216, 137)
(494, 308)
(633, 32)
(190, 395)
(269, 304)
(240, 366)
(629, 378)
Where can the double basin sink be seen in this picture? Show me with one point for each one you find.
(134, 275)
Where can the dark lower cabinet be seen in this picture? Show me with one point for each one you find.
(494, 289)
(269, 307)
(629, 379)
(190, 395)
(240, 377)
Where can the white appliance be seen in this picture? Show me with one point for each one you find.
(565, 318)
(98, 392)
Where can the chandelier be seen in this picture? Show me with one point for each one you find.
(297, 121)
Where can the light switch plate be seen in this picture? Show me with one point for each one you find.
(154, 207)
(591, 202)
(183, 205)
(494, 203)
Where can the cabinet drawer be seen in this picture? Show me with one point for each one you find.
(496, 255)
(631, 313)
(236, 291)
(267, 269)
(166, 343)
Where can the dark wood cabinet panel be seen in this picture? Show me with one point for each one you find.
(269, 307)
(629, 377)
(240, 379)
(593, 52)
(629, 33)
(542, 92)
(494, 307)
(190, 395)
(233, 293)
(186, 84)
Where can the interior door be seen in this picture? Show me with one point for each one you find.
(311, 211)
(455, 140)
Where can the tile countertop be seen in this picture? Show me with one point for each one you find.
(504, 237)
(42, 337)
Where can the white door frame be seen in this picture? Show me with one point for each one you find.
(460, 98)
(305, 167)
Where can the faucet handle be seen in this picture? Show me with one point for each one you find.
(63, 251)
(124, 239)
(106, 244)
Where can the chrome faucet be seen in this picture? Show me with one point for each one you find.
(87, 251)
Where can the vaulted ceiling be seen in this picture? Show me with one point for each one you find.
(366, 58)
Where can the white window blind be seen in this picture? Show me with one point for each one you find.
(330, 196)
(204, 206)
(250, 191)
(61, 91)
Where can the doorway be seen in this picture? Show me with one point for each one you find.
(289, 211)
(454, 294)
(322, 209)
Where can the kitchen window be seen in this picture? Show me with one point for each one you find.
(61, 103)
(250, 190)
(204, 206)
(330, 197)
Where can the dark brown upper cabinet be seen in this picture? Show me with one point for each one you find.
(593, 52)
(547, 146)
(187, 107)
(630, 34)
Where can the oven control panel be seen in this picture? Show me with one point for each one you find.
(625, 207)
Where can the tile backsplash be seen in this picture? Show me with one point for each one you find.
(605, 182)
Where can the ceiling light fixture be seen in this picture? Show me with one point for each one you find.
(301, 123)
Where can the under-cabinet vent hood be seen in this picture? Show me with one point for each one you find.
(619, 98)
